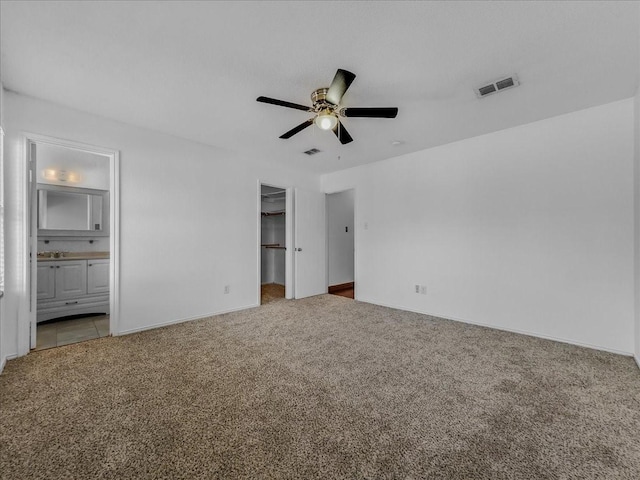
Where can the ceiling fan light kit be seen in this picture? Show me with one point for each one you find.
(326, 120)
(327, 109)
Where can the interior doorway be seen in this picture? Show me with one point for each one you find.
(304, 247)
(341, 243)
(273, 243)
(73, 249)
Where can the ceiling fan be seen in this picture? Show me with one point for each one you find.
(327, 109)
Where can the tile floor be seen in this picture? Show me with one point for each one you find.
(71, 330)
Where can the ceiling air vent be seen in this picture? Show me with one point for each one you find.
(497, 86)
(313, 151)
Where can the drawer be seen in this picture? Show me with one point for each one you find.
(48, 309)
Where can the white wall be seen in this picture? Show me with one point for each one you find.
(78, 244)
(3, 341)
(188, 218)
(340, 239)
(637, 224)
(278, 229)
(528, 229)
(273, 231)
(637, 217)
(266, 269)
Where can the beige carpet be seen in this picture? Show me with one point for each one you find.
(320, 388)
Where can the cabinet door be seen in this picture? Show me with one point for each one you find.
(71, 278)
(97, 276)
(46, 280)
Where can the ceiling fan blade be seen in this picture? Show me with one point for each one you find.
(282, 103)
(339, 85)
(342, 134)
(373, 112)
(297, 129)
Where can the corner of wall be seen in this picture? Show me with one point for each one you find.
(636, 215)
(3, 359)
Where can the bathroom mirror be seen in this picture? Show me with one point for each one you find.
(71, 211)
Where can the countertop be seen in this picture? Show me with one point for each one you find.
(74, 256)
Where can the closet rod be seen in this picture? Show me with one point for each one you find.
(68, 239)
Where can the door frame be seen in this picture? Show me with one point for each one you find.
(355, 237)
(288, 254)
(27, 329)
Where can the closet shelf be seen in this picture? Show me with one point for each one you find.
(272, 214)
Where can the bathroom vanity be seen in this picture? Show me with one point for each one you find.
(73, 284)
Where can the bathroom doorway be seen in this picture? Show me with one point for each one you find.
(73, 249)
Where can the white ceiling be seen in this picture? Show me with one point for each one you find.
(194, 69)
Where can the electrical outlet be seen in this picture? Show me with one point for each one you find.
(227, 288)
(417, 288)
(423, 289)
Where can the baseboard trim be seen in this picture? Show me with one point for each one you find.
(4, 360)
(512, 330)
(637, 359)
(340, 287)
(182, 320)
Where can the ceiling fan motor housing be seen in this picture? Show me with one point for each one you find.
(319, 99)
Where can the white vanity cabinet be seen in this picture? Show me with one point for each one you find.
(98, 276)
(71, 287)
(46, 280)
(71, 278)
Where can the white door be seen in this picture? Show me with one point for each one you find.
(309, 244)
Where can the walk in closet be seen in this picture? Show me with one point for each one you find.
(273, 205)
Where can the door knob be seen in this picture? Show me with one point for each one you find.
(298, 249)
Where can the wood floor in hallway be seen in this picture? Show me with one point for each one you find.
(346, 290)
(270, 292)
